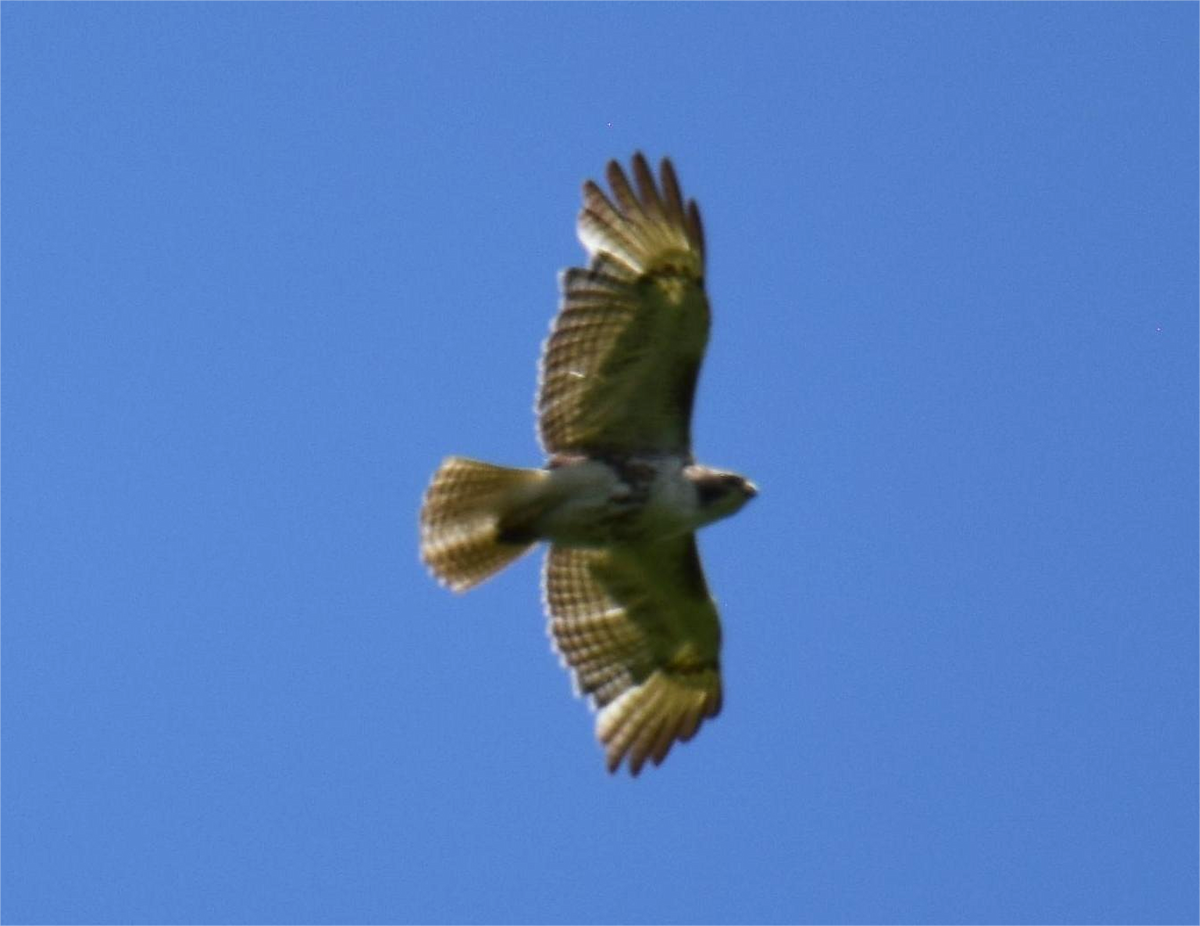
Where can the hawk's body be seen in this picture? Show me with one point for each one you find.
(621, 496)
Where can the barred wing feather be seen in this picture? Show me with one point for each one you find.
(619, 369)
(637, 627)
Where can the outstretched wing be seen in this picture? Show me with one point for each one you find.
(619, 369)
(637, 627)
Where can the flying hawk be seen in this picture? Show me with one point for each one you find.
(621, 496)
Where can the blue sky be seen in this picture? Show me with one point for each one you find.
(264, 265)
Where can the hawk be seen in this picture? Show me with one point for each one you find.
(621, 496)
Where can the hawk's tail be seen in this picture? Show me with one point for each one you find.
(476, 519)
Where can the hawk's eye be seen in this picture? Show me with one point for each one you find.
(711, 489)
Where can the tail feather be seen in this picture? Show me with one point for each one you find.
(472, 520)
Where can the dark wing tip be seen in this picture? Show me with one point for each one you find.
(695, 227)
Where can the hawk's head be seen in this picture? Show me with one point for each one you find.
(719, 493)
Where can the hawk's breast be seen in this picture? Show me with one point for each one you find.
(593, 502)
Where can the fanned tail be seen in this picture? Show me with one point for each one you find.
(476, 519)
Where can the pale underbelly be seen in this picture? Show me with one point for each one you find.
(606, 511)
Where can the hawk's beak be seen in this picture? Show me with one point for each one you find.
(751, 489)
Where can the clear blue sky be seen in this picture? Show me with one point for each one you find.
(264, 265)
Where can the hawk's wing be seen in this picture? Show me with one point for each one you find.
(619, 369)
(636, 625)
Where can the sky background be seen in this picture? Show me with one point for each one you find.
(265, 265)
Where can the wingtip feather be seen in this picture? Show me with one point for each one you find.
(644, 228)
(646, 721)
